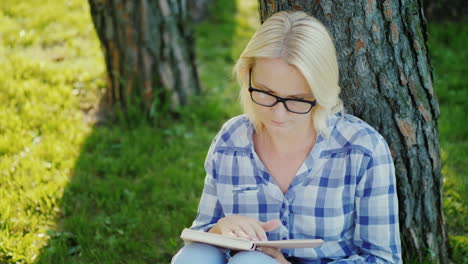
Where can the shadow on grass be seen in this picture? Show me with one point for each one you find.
(132, 192)
(134, 188)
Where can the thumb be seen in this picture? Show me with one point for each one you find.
(270, 225)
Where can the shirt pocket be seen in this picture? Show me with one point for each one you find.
(246, 189)
(241, 199)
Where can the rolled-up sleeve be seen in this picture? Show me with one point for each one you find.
(376, 223)
(209, 208)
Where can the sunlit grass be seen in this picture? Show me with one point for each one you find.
(73, 193)
(69, 189)
(47, 60)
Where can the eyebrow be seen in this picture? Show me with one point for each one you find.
(292, 95)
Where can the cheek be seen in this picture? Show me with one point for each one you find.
(262, 112)
(301, 119)
(307, 118)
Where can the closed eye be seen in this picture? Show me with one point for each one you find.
(305, 98)
(297, 97)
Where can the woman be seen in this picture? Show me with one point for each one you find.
(294, 166)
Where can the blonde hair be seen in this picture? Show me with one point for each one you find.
(301, 41)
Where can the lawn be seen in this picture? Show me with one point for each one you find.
(447, 43)
(72, 191)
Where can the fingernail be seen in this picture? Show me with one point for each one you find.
(259, 249)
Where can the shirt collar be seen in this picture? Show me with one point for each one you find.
(238, 133)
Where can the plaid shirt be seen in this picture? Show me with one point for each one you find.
(343, 193)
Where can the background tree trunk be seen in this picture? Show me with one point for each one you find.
(149, 52)
(445, 10)
(199, 9)
(386, 80)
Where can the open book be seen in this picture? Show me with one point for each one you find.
(235, 243)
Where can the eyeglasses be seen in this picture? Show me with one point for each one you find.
(267, 99)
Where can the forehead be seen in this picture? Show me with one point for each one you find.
(279, 76)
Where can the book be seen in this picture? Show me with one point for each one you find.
(234, 243)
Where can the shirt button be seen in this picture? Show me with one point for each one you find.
(284, 222)
(283, 206)
(284, 238)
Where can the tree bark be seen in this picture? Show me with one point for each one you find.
(199, 9)
(149, 53)
(386, 80)
(445, 10)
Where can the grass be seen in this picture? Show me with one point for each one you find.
(71, 192)
(447, 43)
(46, 62)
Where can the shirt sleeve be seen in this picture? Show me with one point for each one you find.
(209, 208)
(377, 232)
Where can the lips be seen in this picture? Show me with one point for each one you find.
(278, 123)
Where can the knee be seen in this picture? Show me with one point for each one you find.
(252, 257)
(198, 253)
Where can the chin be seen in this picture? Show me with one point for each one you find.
(284, 127)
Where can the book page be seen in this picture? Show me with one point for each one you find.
(217, 240)
(244, 244)
(292, 243)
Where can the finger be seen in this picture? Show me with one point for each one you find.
(272, 252)
(259, 231)
(239, 232)
(231, 234)
(270, 225)
(227, 231)
(231, 231)
(250, 229)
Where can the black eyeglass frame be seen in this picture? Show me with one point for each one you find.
(278, 99)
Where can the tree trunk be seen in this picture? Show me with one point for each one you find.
(148, 47)
(386, 80)
(199, 10)
(445, 10)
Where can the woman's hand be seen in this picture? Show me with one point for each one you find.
(274, 253)
(244, 227)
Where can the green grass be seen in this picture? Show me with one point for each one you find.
(47, 61)
(447, 43)
(74, 193)
(71, 192)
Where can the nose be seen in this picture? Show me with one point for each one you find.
(279, 109)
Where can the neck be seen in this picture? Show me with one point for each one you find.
(286, 144)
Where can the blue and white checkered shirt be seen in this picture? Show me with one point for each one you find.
(344, 192)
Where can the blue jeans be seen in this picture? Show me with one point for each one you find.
(198, 253)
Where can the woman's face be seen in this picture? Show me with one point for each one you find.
(281, 79)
